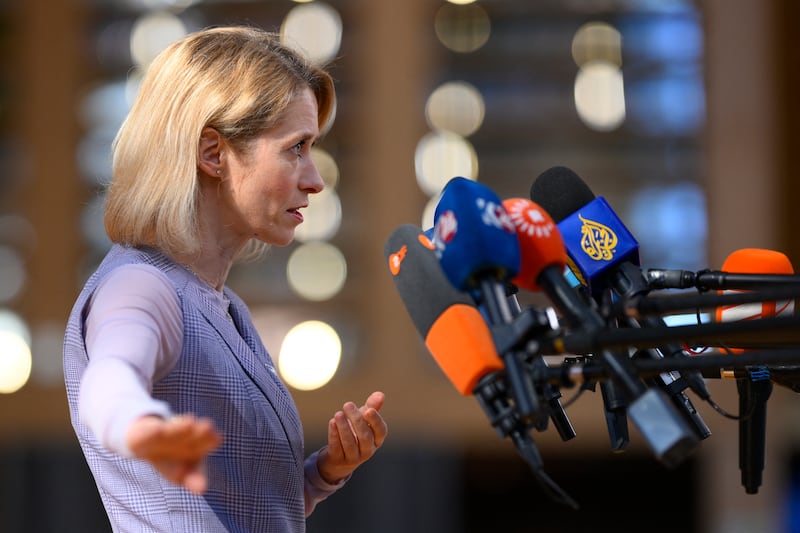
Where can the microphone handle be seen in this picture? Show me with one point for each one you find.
(781, 331)
(614, 405)
(492, 395)
(673, 384)
(630, 284)
(546, 392)
(718, 280)
(644, 305)
(500, 312)
(581, 316)
(706, 280)
(754, 391)
(552, 397)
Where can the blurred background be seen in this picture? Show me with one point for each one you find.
(683, 114)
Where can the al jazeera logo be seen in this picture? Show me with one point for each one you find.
(598, 241)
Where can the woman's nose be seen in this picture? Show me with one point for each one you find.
(312, 180)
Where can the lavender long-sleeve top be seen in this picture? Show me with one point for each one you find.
(147, 337)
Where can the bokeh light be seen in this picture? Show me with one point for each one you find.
(322, 218)
(315, 29)
(597, 41)
(462, 28)
(429, 213)
(600, 96)
(326, 166)
(455, 106)
(441, 156)
(16, 360)
(152, 33)
(310, 355)
(316, 271)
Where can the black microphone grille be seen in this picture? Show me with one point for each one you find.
(560, 192)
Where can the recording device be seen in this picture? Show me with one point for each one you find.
(479, 253)
(455, 333)
(780, 332)
(478, 248)
(460, 341)
(640, 306)
(755, 388)
(781, 362)
(542, 260)
(604, 256)
(763, 262)
(705, 280)
(458, 283)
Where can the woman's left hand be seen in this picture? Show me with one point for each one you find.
(354, 435)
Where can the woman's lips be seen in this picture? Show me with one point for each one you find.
(296, 214)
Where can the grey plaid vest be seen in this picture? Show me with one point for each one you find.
(225, 373)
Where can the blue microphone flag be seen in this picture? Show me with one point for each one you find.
(597, 241)
(474, 235)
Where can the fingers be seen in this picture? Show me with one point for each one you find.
(370, 411)
(189, 475)
(175, 447)
(190, 436)
(375, 400)
(361, 430)
(196, 481)
(181, 437)
(348, 424)
(377, 425)
(334, 439)
(354, 435)
(193, 478)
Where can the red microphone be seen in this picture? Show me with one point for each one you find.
(541, 244)
(755, 389)
(755, 261)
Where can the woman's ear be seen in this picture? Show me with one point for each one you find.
(210, 152)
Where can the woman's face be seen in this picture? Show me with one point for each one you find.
(264, 189)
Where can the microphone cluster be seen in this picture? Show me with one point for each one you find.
(459, 283)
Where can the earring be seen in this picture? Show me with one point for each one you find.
(219, 172)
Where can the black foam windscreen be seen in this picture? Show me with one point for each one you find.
(561, 192)
(425, 290)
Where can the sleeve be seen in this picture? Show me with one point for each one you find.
(134, 335)
(315, 488)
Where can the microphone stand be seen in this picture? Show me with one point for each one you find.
(575, 370)
(493, 397)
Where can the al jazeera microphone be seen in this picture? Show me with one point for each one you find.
(604, 255)
(657, 420)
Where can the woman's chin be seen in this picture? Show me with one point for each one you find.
(280, 241)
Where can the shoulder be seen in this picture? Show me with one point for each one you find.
(132, 276)
(136, 284)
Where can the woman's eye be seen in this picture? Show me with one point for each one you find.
(298, 148)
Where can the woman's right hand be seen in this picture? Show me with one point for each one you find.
(176, 447)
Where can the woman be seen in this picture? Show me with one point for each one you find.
(175, 401)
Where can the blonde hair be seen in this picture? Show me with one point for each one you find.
(237, 80)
